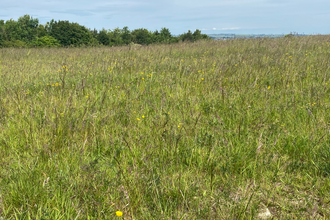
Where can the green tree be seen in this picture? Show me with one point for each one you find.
(187, 36)
(115, 37)
(165, 34)
(126, 35)
(70, 33)
(197, 35)
(2, 32)
(41, 31)
(12, 30)
(142, 36)
(103, 37)
(27, 27)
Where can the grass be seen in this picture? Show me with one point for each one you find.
(205, 130)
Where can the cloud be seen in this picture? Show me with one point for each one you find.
(231, 28)
(223, 29)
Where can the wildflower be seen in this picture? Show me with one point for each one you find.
(202, 78)
(119, 213)
(268, 87)
(138, 119)
(142, 116)
(235, 64)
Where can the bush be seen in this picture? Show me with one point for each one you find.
(14, 43)
(46, 41)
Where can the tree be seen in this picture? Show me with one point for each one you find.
(165, 34)
(28, 27)
(197, 35)
(187, 36)
(126, 35)
(41, 31)
(70, 33)
(2, 32)
(142, 36)
(12, 30)
(103, 37)
(115, 37)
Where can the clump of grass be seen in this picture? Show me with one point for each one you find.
(215, 129)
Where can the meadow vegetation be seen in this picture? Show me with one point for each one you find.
(203, 130)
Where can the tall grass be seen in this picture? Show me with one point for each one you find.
(205, 130)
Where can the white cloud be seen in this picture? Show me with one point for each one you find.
(231, 28)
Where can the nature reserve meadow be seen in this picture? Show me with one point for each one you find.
(235, 129)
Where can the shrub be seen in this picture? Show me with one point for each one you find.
(14, 43)
(46, 41)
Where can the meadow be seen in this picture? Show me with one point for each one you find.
(235, 129)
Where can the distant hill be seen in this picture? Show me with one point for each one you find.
(231, 36)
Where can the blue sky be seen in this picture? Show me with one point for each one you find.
(210, 16)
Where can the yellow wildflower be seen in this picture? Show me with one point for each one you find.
(119, 213)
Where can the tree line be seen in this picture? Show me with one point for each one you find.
(27, 32)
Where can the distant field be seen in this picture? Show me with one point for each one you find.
(235, 129)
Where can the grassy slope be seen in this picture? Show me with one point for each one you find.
(208, 130)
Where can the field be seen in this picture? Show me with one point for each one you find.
(235, 129)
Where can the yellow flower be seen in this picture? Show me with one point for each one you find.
(142, 116)
(268, 87)
(138, 119)
(119, 213)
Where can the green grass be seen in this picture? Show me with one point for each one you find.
(206, 130)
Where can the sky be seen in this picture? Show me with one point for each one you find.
(210, 16)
